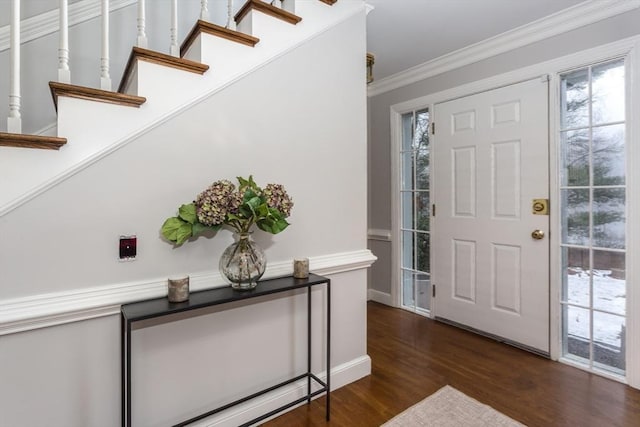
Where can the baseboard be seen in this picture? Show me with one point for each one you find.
(341, 375)
(381, 297)
(41, 311)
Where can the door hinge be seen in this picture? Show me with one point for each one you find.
(433, 128)
(433, 290)
(433, 209)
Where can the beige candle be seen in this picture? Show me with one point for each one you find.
(301, 268)
(178, 289)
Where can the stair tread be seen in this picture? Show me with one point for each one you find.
(31, 141)
(329, 2)
(138, 53)
(216, 30)
(268, 9)
(92, 94)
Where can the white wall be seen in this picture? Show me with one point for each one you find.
(299, 121)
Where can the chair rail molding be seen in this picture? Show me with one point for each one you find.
(379, 234)
(44, 310)
(580, 15)
(46, 23)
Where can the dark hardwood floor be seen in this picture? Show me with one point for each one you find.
(413, 357)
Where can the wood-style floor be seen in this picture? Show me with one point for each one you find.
(413, 357)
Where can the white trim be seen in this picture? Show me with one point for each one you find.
(626, 47)
(377, 296)
(106, 151)
(580, 15)
(47, 23)
(41, 311)
(633, 218)
(396, 143)
(341, 375)
(379, 234)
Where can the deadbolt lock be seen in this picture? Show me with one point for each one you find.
(540, 206)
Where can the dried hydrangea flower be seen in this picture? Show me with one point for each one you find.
(278, 198)
(212, 204)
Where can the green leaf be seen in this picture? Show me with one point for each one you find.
(188, 213)
(183, 233)
(170, 228)
(265, 226)
(199, 227)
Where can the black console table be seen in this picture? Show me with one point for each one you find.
(159, 307)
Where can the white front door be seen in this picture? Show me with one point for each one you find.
(490, 163)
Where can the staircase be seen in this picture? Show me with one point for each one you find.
(92, 123)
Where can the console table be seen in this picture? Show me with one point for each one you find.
(160, 307)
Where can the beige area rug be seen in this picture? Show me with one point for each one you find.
(449, 407)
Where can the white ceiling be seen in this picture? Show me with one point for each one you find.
(405, 33)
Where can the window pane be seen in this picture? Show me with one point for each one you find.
(421, 133)
(575, 99)
(407, 249)
(608, 155)
(407, 171)
(407, 131)
(608, 92)
(422, 169)
(576, 331)
(609, 284)
(575, 216)
(576, 276)
(407, 209)
(422, 247)
(423, 211)
(608, 337)
(608, 218)
(575, 158)
(423, 284)
(407, 288)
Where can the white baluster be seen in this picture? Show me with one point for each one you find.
(277, 3)
(105, 78)
(64, 74)
(204, 10)
(142, 36)
(14, 121)
(231, 23)
(174, 49)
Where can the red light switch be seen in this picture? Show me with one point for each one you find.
(128, 247)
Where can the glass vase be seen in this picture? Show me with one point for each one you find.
(243, 262)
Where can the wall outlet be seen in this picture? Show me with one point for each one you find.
(128, 248)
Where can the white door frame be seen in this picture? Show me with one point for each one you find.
(630, 48)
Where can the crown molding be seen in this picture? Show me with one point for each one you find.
(44, 310)
(566, 20)
(47, 23)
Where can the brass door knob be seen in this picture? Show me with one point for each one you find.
(537, 234)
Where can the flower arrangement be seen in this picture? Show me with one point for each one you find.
(222, 203)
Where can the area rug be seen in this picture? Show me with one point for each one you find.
(449, 407)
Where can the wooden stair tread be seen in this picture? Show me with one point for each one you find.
(329, 2)
(31, 141)
(266, 8)
(216, 30)
(92, 94)
(138, 53)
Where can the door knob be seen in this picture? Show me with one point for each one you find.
(537, 234)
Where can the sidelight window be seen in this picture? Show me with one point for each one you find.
(415, 211)
(593, 216)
